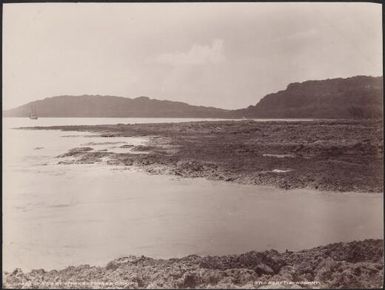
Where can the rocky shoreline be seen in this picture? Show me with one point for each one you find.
(334, 155)
(330, 155)
(357, 264)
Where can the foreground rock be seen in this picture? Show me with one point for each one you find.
(338, 155)
(341, 265)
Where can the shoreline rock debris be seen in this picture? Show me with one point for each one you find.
(357, 264)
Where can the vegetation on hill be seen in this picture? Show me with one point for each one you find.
(359, 97)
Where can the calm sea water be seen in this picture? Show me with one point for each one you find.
(58, 215)
(97, 121)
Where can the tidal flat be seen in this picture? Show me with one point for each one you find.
(327, 155)
(326, 212)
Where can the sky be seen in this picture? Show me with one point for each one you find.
(226, 55)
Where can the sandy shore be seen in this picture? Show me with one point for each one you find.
(357, 264)
(340, 155)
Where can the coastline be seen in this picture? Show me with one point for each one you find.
(326, 155)
(334, 156)
(357, 264)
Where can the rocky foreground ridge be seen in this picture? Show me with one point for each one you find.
(357, 264)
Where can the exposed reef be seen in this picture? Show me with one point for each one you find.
(338, 155)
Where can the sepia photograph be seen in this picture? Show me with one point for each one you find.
(192, 145)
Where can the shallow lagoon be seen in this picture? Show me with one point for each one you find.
(59, 215)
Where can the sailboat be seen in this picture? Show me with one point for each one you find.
(33, 115)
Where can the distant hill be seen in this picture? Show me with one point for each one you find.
(111, 106)
(355, 97)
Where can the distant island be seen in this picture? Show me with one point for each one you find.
(113, 107)
(359, 97)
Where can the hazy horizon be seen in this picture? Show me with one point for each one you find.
(224, 55)
(80, 95)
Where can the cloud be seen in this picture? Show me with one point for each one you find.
(300, 35)
(197, 55)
